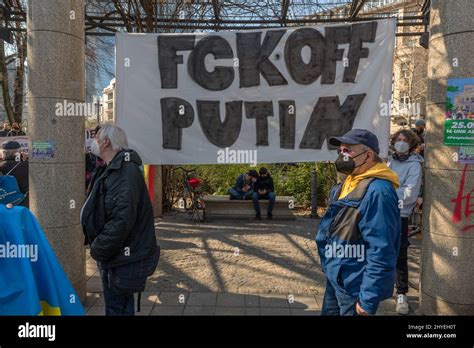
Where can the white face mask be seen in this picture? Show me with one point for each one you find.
(95, 150)
(401, 146)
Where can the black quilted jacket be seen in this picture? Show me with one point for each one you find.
(117, 217)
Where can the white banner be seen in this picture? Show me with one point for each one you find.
(276, 94)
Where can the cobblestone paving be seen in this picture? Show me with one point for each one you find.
(233, 267)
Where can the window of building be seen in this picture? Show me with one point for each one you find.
(405, 71)
(404, 99)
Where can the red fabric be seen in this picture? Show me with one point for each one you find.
(151, 182)
(194, 182)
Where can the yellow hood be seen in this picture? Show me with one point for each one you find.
(380, 170)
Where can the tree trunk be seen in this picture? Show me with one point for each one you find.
(4, 81)
(19, 78)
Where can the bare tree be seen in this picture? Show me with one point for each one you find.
(411, 63)
(16, 52)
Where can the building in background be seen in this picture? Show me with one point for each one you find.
(98, 106)
(108, 100)
(465, 100)
(410, 63)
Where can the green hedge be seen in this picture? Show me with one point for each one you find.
(293, 179)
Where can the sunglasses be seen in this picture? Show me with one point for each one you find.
(344, 150)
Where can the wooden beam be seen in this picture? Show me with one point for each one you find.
(285, 4)
(358, 8)
(216, 8)
(353, 6)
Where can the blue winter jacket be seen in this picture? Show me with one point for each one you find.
(358, 242)
(240, 183)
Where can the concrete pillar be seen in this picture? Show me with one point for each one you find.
(447, 274)
(57, 74)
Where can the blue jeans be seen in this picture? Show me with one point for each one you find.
(239, 194)
(271, 201)
(116, 303)
(337, 303)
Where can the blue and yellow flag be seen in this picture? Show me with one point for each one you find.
(32, 282)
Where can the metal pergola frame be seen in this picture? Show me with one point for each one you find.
(110, 23)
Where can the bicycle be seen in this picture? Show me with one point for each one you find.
(192, 195)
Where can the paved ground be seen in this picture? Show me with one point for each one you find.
(235, 267)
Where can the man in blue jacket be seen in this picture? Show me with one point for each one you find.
(359, 235)
(244, 185)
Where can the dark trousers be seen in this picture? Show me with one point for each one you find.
(402, 261)
(234, 194)
(271, 201)
(336, 303)
(116, 303)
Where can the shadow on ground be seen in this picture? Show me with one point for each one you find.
(233, 267)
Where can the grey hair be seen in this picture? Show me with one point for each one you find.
(377, 158)
(116, 135)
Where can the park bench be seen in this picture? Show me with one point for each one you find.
(222, 207)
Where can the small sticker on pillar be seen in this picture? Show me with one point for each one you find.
(43, 149)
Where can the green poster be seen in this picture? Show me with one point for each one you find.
(459, 132)
(459, 123)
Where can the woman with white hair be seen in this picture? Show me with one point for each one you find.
(118, 222)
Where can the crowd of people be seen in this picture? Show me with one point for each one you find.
(369, 208)
(366, 220)
(13, 130)
(14, 164)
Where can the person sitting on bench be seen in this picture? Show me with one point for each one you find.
(264, 189)
(244, 185)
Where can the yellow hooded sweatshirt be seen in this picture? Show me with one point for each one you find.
(380, 170)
